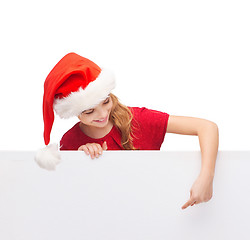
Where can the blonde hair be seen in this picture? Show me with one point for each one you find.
(121, 117)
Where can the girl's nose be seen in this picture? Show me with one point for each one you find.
(102, 113)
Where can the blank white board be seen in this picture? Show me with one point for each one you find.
(122, 195)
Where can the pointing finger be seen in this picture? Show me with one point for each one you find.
(190, 202)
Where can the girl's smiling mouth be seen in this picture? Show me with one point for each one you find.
(102, 121)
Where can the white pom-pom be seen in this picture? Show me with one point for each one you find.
(48, 157)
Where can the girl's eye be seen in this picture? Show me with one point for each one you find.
(88, 112)
(107, 101)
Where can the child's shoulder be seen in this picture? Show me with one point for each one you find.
(137, 110)
(142, 110)
(140, 113)
(146, 114)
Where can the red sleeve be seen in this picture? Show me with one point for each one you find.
(152, 128)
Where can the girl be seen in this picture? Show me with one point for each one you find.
(78, 87)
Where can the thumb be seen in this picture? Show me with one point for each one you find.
(104, 146)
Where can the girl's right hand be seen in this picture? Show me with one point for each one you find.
(94, 149)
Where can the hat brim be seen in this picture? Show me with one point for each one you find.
(84, 99)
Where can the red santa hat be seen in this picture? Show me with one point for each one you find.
(75, 84)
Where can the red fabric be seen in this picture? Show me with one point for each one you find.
(149, 133)
(70, 73)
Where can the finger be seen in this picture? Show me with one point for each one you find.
(104, 146)
(188, 203)
(99, 149)
(80, 148)
(91, 150)
(96, 150)
(85, 149)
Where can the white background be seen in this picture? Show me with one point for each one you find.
(187, 58)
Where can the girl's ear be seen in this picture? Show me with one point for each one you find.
(79, 117)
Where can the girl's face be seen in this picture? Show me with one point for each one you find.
(98, 116)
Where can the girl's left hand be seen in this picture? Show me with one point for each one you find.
(201, 191)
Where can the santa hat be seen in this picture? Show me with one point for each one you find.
(75, 84)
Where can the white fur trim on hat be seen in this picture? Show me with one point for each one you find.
(48, 157)
(84, 99)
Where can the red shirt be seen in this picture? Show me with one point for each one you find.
(149, 132)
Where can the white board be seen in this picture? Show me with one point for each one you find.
(122, 195)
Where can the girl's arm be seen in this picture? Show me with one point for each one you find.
(208, 134)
